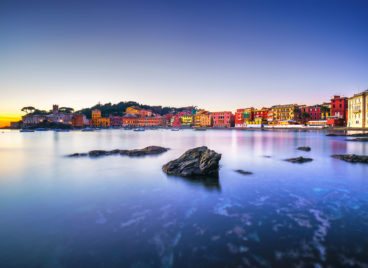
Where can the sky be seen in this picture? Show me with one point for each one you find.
(217, 55)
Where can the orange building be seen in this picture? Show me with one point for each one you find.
(78, 120)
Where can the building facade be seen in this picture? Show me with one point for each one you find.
(358, 110)
(78, 120)
(223, 119)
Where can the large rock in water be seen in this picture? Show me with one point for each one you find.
(352, 158)
(150, 150)
(199, 161)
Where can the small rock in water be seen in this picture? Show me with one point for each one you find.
(352, 158)
(243, 172)
(199, 161)
(299, 160)
(304, 148)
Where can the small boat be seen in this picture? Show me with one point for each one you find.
(88, 129)
(139, 129)
(61, 130)
(41, 129)
(175, 129)
(26, 130)
(200, 128)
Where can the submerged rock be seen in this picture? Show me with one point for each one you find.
(243, 172)
(299, 160)
(150, 150)
(352, 158)
(304, 148)
(199, 161)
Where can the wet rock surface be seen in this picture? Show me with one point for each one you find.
(150, 150)
(196, 162)
(243, 172)
(304, 148)
(299, 160)
(358, 139)
(352, 158)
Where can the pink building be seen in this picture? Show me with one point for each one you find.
(116, 121)
(223, 119)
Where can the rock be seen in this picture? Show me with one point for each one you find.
(352, 158)
(333, 135)
(150, 150)
(199, 161)
(299, 160)
(77, 154)
(304, 148)
(243, 172)
(358, 139)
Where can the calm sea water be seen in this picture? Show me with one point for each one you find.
(118, 211)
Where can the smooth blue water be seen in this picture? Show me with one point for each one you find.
(118, 211)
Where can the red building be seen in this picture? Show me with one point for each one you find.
(116, 121)
(176, 121)
(339, 106)
(135, 121)
(223, 119)
(313, 111)
(78, 120)
(239, 118)
(261, 113)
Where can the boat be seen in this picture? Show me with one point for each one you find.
(200, 128)
(175, 129)
(139, 129)
(61, 130)
(26, 130)
(41, 129)
(88, 129)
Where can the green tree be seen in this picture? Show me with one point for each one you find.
(28, 109)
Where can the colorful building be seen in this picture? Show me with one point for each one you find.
(339, 109)
(243, 117)
(78, 120)
(223, 119)
(176, 121)
(132, 110)
(116, 121)
(358, 110)
(314, 112)
(285, 112)
(187, 121)
(96, 115)
(203, 119)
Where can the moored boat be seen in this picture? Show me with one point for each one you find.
(200, 128)
(26, 130)
(139, 129)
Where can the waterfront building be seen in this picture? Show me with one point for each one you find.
(176, 121)
(96, 115)
(78, 120)
(116, 121)
(223, 119)
(186, 121)
(358, 110)
(203, 119)
(155, 121)
(285, 112)
(243, 117)
(130, 120)
(313, 111)
(32, 119)
(339, 109)
(326, 110)
(145, 113)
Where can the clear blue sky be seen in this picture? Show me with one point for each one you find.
(219, 55)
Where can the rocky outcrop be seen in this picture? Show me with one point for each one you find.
(243, 172)
(299, 160)
(358, 139)
(150, 150)
(199, 161)
(304, 148)
(352, 158)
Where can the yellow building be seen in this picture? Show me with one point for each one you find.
(284, 112)
(325, 110)
(186, 121)
(103, 122)
(358, 110)
(96, 115)
(132, 110)
(203, 119)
